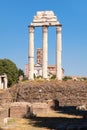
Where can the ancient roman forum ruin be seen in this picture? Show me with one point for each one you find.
(45, 19)
(3, 81)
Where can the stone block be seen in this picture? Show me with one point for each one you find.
(40, 108)
(45, 18)
(53, 104)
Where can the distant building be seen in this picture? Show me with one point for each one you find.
(52, 70)
(38, 70)
(39, 56)
(38, 66)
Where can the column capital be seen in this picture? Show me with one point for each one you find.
(45, 28)
(59, 28)
(31, 29)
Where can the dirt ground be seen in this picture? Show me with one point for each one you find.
(47, 121)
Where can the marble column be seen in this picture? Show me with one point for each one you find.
(31, 53)
(58, 52)
(45, 51)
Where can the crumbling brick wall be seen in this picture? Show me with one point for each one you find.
(19, 109)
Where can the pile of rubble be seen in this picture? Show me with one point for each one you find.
(68, 93)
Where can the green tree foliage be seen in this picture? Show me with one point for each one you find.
(9, 68)
(53, 76)
(67, 78)
(20, 72)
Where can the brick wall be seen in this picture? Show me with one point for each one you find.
(19, 109)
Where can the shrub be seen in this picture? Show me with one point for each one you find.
(67, 78)
(9, 68)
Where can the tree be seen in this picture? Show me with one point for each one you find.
(9, 68)
(20, 72)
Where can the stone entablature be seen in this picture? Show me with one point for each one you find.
(45, 18)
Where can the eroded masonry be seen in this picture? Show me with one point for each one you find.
(3, 81)
(45, 19)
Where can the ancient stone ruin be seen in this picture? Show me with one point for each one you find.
(3, 81)
(45, 19)
(26, 109)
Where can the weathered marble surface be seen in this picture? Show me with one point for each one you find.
(45, 18)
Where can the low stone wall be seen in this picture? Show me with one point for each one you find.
(18, 109)
(38, 108)
(26, 109)
(14, 110)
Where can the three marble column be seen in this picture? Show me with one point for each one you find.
(45, 52)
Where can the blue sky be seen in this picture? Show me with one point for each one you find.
(16, 15)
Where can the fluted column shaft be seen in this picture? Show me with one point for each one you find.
(45, 50)
(31, 53)
(58, 52)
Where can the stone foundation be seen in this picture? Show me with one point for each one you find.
(25, 109)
